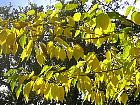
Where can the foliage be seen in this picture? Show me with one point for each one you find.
(57, 42)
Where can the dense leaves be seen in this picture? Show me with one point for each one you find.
(58, 44)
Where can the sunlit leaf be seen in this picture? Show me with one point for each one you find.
(77, 17)
(31, 12)
(71, 6)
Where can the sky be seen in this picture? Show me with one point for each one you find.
(24, 3)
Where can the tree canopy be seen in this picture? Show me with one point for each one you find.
(95, 50)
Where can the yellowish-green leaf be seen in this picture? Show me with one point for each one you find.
(45, 69)
(93, 8)
(107, 1)
(22, 17)
(77, 33)
(137, 18)
(22, 41)
(58, 6)
(18, 90)
(30, 75)
(83, 1)
(128, 10)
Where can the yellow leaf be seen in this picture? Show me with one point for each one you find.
(5, 48)
(57, 52)
(37, 84)
(69, 52)
(54, 91)
(70, 21)
(43, 48)
(10, 40)
(61, 41)
(40, 56)
(114, 80)
(27, 51)
(61, 93)
(137, 78)
(78, 52)
(77, 33)
(3, 36)
(98, 32)
(22, 79)
(67, 32)
(27, 90)
(47, 90)
(14, 48)
(107, 1)
(31, 12)
(30, 75)
(108, 55)
(123, 98)
(62, 54)
(50, 47)
(97, 98)
(77, 17)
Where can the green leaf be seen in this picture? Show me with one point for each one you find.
(18, 90)
(58, 6)
(31, 12)
(71, 6)
(77, 17)
(74, 82)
